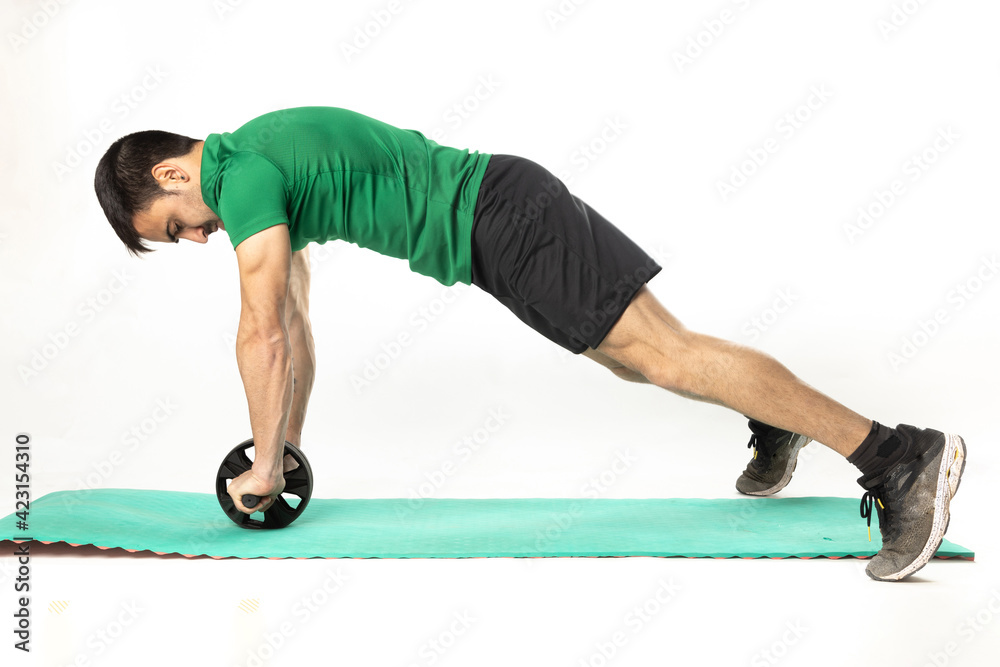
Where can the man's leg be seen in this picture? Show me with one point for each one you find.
(618, 369)
(566, 271)
(652, 344)
(775, 451)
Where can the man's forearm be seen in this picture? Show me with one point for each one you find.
(300, 337)
(265, 364)
(304, 371)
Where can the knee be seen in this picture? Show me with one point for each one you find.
(665, 375)
(670, 368)
(629, 375)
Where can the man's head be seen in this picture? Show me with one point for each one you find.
(149, 185)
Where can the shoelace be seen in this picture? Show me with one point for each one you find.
(757, 439)
(867, 502)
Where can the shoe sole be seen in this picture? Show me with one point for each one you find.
(786, 477)
(949, 478)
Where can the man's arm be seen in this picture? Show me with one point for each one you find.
(264, 356)
(303, 350)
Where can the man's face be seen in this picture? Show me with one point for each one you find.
(182, 215)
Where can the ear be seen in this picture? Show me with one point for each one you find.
(169, 174)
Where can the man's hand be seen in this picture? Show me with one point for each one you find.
(248, 482)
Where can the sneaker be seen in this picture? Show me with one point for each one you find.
(775, 455)
(912, 500)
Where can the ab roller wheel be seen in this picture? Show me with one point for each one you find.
(289, 505)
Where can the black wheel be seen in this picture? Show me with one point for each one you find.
(289, 505)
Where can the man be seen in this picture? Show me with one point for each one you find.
(510, 227)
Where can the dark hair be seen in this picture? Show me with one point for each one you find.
(124, 181)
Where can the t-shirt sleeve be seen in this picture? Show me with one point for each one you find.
(252, 196)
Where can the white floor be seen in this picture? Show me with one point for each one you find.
(507, 611)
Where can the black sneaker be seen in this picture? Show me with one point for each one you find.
(775, 455)
(912, 500)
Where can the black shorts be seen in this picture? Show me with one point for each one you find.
(555, 262)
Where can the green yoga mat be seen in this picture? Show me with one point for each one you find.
(194, 524)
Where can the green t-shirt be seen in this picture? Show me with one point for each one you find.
(331, 173)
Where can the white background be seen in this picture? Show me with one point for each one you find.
(79, 75)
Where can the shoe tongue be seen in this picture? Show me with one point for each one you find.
(760, 429)
(871, 482)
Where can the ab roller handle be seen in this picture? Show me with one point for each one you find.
(285, 509)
